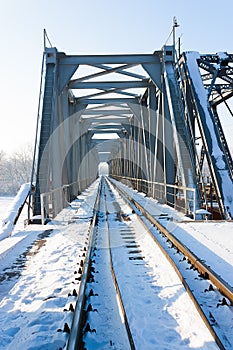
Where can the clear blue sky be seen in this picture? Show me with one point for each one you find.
(89, 26)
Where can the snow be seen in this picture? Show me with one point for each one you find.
(202, 211)
(203, 98)
(155, 301)
(8, 221)
(38, 267)
(210, 240)
(35, 286)
(222, 55)
(104, 301)
(202, 95)
(212, 243)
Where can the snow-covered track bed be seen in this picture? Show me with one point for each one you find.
(211, 295)
(99, 320)
(133, 296)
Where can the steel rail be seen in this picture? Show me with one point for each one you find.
(202, 268)
(130, 337)
(76, 326)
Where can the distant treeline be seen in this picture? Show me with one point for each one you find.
(15, 169)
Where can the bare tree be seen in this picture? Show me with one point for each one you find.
(15, 170)
(3, 177)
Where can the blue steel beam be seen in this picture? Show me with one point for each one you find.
(100, 125)
(121, 71)
(105, 85)
(108, 120)
(107, 100)
(105, 131)
(155, 74)
(107, 111)
(132, 114)
(117, 91)
(105, 127)
(108, 59)
(125, 93)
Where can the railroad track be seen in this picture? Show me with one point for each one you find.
(94, 299)
(216, 283)
(123, 259)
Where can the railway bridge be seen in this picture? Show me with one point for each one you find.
(120, 268)
(152, 119)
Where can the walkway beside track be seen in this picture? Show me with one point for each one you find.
(210, 240)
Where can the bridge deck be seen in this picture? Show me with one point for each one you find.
(37, 273)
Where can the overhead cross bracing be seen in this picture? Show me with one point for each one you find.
(141, 114)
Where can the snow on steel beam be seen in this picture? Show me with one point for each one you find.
(92, 108)
(100, 142)
(215, 58)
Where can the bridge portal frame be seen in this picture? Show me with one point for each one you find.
(155, 151)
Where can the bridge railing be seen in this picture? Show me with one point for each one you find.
(180, 198)
(53, 201)
(56, 198)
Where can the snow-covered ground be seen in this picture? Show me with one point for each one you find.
(212, 243)
(38, 271)
(159, 309)
(39, 267)
(7, 224)
(5, 204)
(209, 240)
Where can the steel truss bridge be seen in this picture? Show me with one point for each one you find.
(142, 114)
